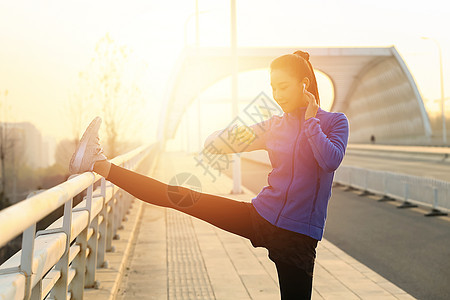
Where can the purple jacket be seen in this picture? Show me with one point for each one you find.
(304, 156)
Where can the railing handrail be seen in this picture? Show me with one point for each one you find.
(431, 150)
(16, 218)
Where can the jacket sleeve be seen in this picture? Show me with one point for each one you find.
(222, 141)
(328, 150)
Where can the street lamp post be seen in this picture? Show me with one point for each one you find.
(237, 179)
(444, 129)
(196, 13)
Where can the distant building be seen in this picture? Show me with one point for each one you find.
(26, 144)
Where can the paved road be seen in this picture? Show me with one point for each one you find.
(408, 249)
(416, 167)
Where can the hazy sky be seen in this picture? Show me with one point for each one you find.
(45, 44)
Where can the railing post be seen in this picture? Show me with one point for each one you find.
(36, 292)
(130, 202)
(117, 206)
(434, 211)
(26, 258)
(60, 289)
(346, 179)
(79, 264)
(366, 192)
(91, 261)
(123, 211)
(406, 203)
(337, 179)
(126, 210)
(102, 229)
(385, 188)
(350, 187)
(120, 208)
(111, 221)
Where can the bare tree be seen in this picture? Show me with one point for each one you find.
(120, 96)
(63, 153)
(78, 106)
(109, 84)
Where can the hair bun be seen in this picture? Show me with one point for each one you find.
(303, 54)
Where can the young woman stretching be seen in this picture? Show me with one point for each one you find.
(305, 145)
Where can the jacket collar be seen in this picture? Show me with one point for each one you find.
(298, 113)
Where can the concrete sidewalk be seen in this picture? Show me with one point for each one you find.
(175, 256)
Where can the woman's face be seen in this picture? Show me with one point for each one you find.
(287, 90)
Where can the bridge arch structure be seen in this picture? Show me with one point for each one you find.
(372, 86)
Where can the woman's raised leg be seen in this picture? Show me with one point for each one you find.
(227, 214)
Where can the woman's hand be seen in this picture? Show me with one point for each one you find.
(313, 107)
(243, 134)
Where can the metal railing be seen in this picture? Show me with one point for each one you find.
(411, 189)
(60, 261)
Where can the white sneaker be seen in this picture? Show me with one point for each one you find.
(88, 150)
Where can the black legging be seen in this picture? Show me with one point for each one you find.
(227, 214)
